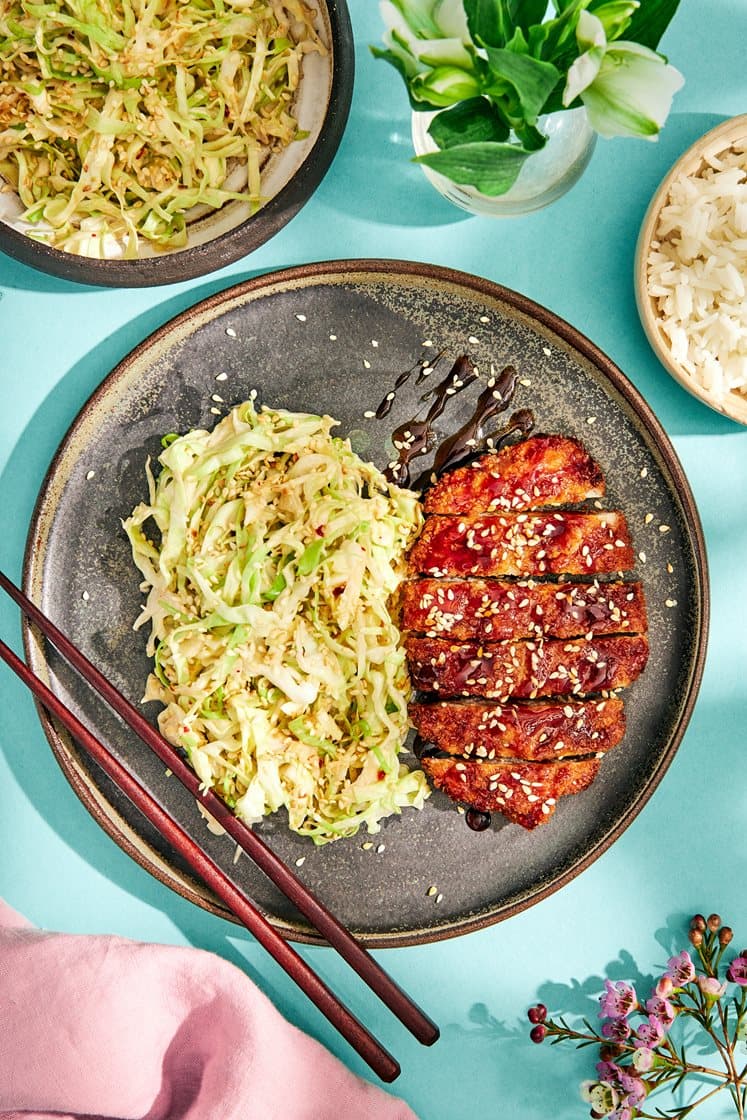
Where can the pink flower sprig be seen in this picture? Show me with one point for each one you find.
(642, 1044)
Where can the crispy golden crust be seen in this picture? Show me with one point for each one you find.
(523, 544)
(543, 470)
(525, 793)
(492, 609)
(536, 730)
(525, 669)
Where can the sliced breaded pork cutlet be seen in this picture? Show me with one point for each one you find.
(525, 669)
(542, 470)
(493, 609)
(523, 544)
(534, 730)
(526, 794)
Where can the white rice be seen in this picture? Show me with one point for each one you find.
(697, 272)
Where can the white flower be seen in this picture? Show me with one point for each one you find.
(427, 33)
(627, 89)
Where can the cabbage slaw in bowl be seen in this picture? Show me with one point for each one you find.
(121, 119)
(275, 651)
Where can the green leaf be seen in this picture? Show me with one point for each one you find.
(490, 167)
(531, 138)
(471, 122)
(490, 22)
(532, 79)
(650, 22)
(530, 12)
(555, 41)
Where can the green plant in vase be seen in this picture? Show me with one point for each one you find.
(491, 74)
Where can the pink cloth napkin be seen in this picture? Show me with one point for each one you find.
(101, 1027)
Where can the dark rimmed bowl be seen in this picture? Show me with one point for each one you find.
(223, 236)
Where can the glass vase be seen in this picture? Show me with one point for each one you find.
(545, 175)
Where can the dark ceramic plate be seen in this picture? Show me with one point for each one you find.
(334, 337)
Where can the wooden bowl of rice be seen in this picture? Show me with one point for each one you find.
(691, 270)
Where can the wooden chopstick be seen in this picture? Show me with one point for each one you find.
(359, 1037)
(340, 938)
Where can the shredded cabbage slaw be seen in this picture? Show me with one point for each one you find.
(269, 588)
(119, 117)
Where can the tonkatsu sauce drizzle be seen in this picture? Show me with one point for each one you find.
(415, 437)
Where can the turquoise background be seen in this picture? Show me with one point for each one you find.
(684, 853)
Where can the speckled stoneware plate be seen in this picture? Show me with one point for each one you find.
(334, 337)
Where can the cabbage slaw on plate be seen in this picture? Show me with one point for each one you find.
(275, 651)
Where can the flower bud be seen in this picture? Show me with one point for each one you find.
(444, 86)
(725, 934)
(695, 937)
(664, 987)
(711, 988)
(537, 1034)
(698, 922)
(714, 921)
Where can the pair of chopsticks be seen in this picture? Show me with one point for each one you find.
(359, 1037)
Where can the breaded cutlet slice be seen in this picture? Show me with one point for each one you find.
(525, 669)
(542, 470)
(535, 730)
(493, 609)
(525, 793)
(523, 544)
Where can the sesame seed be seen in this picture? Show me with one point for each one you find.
(85, 596)
(230, 332)
(217, 398)
(664, 529)
(439, 897)
(333, 338)
(472, 340)
(546, 350)
(431, 891)
(221, 377)
(642, 557)
(591, 419)
(670, 603)
(484, 319)
(369, 414)
(300, 861)
(215, 411)
(644, 472)
(648, 518)
(367, 846)
(366, 363)
(380, 847)
(374, 342)
(301, 318)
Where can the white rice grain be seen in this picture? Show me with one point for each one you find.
(697, 272)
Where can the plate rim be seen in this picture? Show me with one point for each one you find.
(310, 274)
